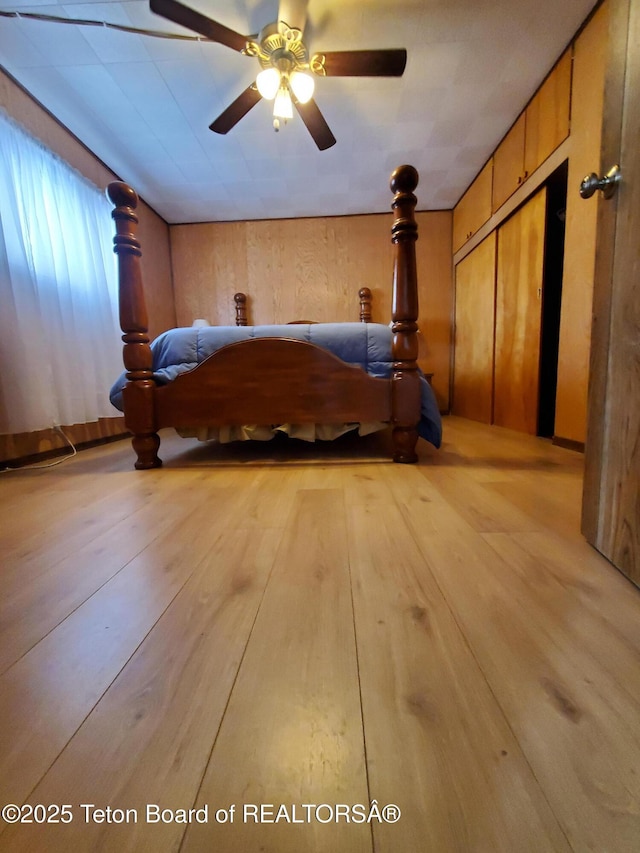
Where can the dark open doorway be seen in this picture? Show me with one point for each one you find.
(552, 298)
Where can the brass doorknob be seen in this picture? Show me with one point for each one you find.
(607, 184)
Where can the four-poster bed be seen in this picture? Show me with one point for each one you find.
(304, 373)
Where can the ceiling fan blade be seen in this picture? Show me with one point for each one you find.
(362, 63)
(315, 124)
(237, 110)
(192, 20)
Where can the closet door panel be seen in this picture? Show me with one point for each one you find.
(474, 331)
(519, 285)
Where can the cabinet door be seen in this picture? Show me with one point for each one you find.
(474, 329)
(474, 208)
(508, 164)
(519, 316)
(548, 115)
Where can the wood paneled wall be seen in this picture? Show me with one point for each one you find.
(312, 269)
(153, 232)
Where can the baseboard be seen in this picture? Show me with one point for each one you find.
(15, 448)
(568, 443)
(55, 452)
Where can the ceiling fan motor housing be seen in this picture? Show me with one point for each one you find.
(281, 47)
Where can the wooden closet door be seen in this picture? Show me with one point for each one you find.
(474, 330)
(611, 508)
(519, 316)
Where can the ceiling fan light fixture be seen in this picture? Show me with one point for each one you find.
(282, 107)
(302, 85)
(268, 83)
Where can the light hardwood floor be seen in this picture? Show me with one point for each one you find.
(286, 625)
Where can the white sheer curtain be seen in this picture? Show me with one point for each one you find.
(60, 344)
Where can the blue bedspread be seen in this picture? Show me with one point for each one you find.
(367, 345)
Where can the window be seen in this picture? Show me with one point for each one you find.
(59, 334)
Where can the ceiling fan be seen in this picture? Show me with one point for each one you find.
(287, 67)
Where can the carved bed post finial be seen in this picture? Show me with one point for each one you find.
(365, 304)
(137, 357)
(241, 309)
(405, 383)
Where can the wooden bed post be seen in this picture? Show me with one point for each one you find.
(241, 309)
(365, 304)
(138, 392)
(405, 382)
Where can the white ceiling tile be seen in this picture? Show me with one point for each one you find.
(109, 45)
(25, 5)
(60, 44)
(146, 88)
(17, 48)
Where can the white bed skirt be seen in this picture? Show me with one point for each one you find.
(305, 432)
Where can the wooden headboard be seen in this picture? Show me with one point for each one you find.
(364, 295)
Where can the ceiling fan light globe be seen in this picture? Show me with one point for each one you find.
(268, 83)
(302, 85)
(282, 107)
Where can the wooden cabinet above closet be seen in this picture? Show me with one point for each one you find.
(548, 115)
(508, 164)
(474, 208)
(535, 135)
